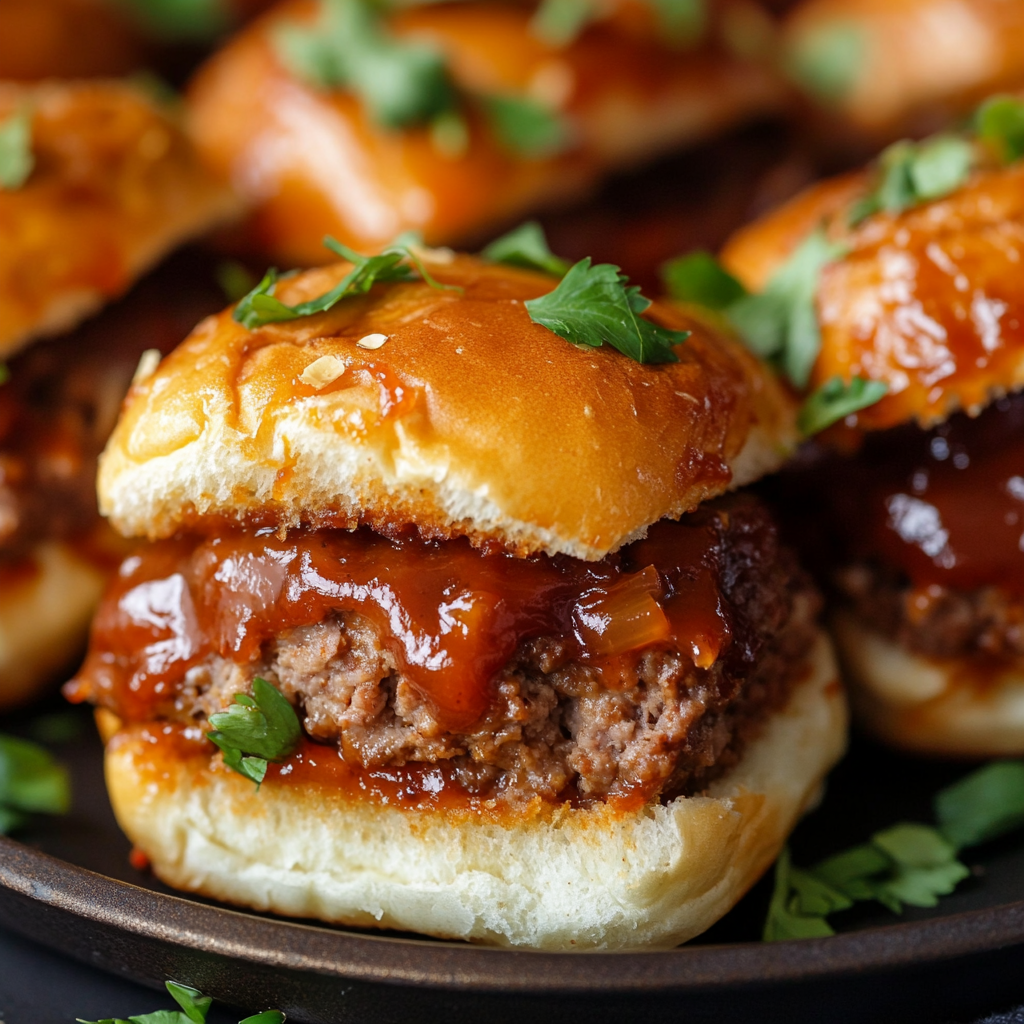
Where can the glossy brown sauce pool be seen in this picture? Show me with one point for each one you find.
(451, 615)
(944, 506)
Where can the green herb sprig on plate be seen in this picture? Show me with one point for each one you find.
(256, 730)
(910, 863)
(526, 246)
(194, 1009)
(398, 262)
(31, 782)
(16, 159)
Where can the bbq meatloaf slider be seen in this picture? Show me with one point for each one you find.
(97, 184)
(910, 275)
(464, 599)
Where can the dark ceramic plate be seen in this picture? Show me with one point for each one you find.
(68, 884)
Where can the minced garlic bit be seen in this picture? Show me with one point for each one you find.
(148, 362)
(372, 341)
(323, 371)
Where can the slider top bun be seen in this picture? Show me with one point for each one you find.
(114, 185)
(927, 300)
(469, 420)
(313, 160)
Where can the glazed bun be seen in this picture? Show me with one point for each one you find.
(926, 706)
(114, 187)
(547, 877)
(469, 419)
(45, 607)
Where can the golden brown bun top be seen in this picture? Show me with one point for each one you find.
(469, 420)
(927, 300)
(115, 184)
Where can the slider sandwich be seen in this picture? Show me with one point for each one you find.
(448, 622)
(366, 120)
(96, 185)
(893, 297)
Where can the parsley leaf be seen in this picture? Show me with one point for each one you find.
(985, 805)
(198, 20)
(235, 279)
(260, 306)
(700, 279)
(526, 127)
(785, 919)
(255, 730)
(194, 1009)
(16, 159)
(781, 323)
(31, 781)
(911, 173)
(400, 82)
(682, 22)
(593, 305)
(999, 121)
(835, 400)
(826, 60)
(559, 22)
(526, 246)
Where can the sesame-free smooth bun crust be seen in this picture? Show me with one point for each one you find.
(930, 706)
(552, 877)
(470, 420)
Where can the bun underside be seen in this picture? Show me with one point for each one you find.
(930, 707)
(551, 878)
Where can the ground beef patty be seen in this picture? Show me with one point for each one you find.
(557, 726)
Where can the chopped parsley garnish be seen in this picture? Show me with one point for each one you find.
(31, 782)
(826, 60)
(199, 20)
(593, 305)
(194, 1008)
(682, 22)
(999, 122)
(255, 730)
(400, 82)
(911, 173)
(398, 262)
(700, 279)
(835, 400)
(526, 127)
(559, 22)
(909, 864)
(16, 159)
(526, 246)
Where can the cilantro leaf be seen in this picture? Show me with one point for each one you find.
(781, 322)
(826, 60)
(194, 1009)
(526, 246)
(984, 805)
(911, 173)
(255, 730)
(16, 159)
(559, 22)
(526, 127)
(785, 920)
(835, 400)
(593, 305)
(700, 279)
(261, 307)
(999, 121)
(400, 82)
(31, 781)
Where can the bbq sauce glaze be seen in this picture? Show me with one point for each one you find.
(452, 615)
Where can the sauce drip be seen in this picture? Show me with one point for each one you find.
(451, 615)
(944, 506)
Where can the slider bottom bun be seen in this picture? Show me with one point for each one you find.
(46, 603)
(948, 708)
(544, 876)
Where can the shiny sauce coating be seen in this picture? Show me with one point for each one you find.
(944, 506)
(451, 615)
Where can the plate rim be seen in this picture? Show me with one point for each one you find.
(356, 956)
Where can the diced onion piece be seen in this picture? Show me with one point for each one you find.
(625, 617)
